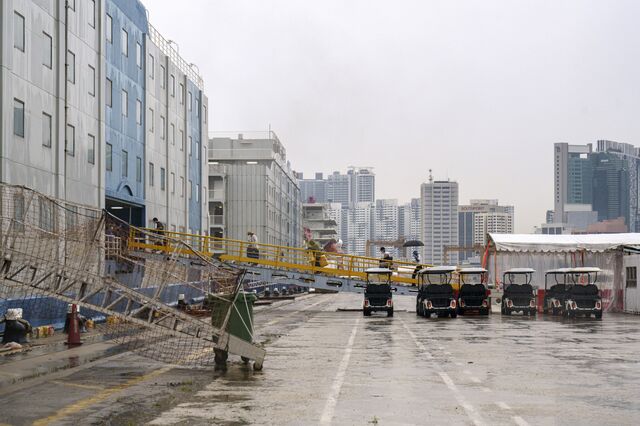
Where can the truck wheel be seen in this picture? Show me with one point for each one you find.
(390, 313)
(257, 366)
(599, 315)
(245, 360)
(454, 315)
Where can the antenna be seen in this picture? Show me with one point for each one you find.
(430, 176)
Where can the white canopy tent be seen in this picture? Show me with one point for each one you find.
(547, 252)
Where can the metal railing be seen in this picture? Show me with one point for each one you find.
(279, 257)
(166, 48)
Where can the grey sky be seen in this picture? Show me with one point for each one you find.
(476, 90)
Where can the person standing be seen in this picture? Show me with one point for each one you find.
(159, 230)
(252, 249)
(385, 258)
(313, 247)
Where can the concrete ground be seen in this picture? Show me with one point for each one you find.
(329, 366)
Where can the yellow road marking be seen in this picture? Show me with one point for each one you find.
(78, 385)
(100, 396)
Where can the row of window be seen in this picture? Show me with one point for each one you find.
(47, 58)
(47, 129)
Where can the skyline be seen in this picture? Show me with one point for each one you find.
(473, 90)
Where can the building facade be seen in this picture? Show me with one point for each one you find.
(77, 97)
(259, 188)
(479, 217)
(439, 205)
(317, 217)
(604, 181)
(313, 190)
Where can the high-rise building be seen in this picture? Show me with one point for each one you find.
(472, 233)
(360, 227)
(604, 181)
(313, 190)
(409, 220)
(386, 223)
(261, 193)
(339, 188)
(572, 176)
(484, 223)
(439, 203)
(93, 92)
(363, 185)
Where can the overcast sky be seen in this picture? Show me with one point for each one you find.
(478, 91)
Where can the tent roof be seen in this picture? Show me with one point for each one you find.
(563, 243)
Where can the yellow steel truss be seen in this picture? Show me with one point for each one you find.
(278, 257)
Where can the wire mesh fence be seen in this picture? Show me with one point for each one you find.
(55, 253)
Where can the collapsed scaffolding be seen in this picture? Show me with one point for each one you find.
(54, 253)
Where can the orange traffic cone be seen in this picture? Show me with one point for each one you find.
(73, 338)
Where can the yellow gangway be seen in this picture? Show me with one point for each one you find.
(278, 257)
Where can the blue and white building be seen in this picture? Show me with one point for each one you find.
(98, 108)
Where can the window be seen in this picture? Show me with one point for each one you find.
(109, 157)
(173, 86)
(197, 192)
(47, 51)
(138, 169)
(152, 67)
(46, 130)
(92, 13)
(71, 67)
(18, 212)
(125, 163)
(138, 111)
(46, 214)
(190, 100)
(173, 183)
(125, 103)
(91, 153)
(190, 142)
(181, 186)
(151, 120)
(70, 140)
(197, 151)
(173, 134)
(138, 55)
(109, 27)
(109, 93)
(18, 31)
(150, 174)
(162, 127)
(632, 277)
(92, 81)
(190, 189)
(18, 117)
(181, 140)
(163, 76)
(162, 181)
(124, 42)
(181, 94)
(204, 112)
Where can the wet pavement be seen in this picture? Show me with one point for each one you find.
(329, 365)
